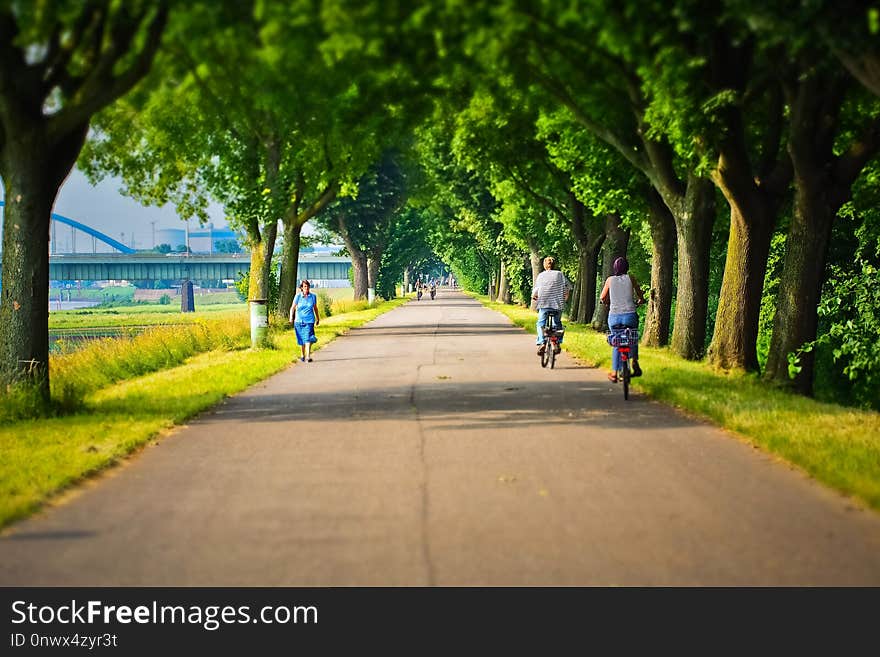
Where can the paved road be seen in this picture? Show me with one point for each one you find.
(430, 448)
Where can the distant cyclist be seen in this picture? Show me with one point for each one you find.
(622, 293)
(550, 293)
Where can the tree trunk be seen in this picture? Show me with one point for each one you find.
(373, 262)
(359, 266)
(358, 261)
(589, 241)
(289, 266)
(534, 259)
(659, 311)
(261, 263)
(822, 183)
(586, 283)
(575, 299)
(694, 217)
(739, 305)
(24, 311)
(616, 243)
(32, 174)
(806, 246)
(503, 286)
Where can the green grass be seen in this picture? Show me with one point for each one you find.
(213, 298)
(337, 293)
(108, 360)
(141, 315)
(836, 445)
(114, 293)
(39, 458)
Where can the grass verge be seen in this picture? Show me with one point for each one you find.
(140, 315)
(39, 458)
(836, 445)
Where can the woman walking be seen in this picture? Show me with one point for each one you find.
(304, 310)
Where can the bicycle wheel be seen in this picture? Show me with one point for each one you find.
(551, 354)
(625, 367)
(545, 357)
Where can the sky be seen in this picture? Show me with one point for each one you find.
(104, 208)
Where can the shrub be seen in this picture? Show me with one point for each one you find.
(325, 303)
(22, 400)
(242, 285)
(850, 309)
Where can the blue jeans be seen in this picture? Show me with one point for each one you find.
(542, 316)
(627, 319)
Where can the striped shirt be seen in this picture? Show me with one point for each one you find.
(550, 288)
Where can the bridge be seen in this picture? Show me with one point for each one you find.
(180, 266)
(88, 230)
(147, 266)
(131, 265)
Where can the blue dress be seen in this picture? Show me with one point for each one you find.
(304, 326)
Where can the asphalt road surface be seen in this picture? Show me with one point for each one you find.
(430, 448)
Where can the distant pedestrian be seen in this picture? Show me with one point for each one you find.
(304, 317)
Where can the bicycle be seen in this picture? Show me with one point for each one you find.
(553, 333)
(624, 338)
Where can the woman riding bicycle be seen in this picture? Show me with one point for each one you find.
(622, 293)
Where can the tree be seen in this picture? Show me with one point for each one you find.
(592, 59)
(833, 133)
(227, 246)
(853, 41)
(365, 222)
(221, 121)
(407, 250)
(522, 175)
(60, 63)
(457, 209)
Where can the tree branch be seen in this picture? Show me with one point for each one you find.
(850, 164)
(56, 73)
(772, 134)
(558, 91)
(322, 202)
(100, 87)
(865, 67)
(543, 200)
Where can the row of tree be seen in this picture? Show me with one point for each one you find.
(676, 121)
(486, 133)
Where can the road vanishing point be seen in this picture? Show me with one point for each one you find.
(430, 448)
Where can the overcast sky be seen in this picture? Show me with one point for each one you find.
(104, 208)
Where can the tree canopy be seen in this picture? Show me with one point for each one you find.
(729, 149)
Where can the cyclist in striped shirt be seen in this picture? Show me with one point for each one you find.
(550, 293)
